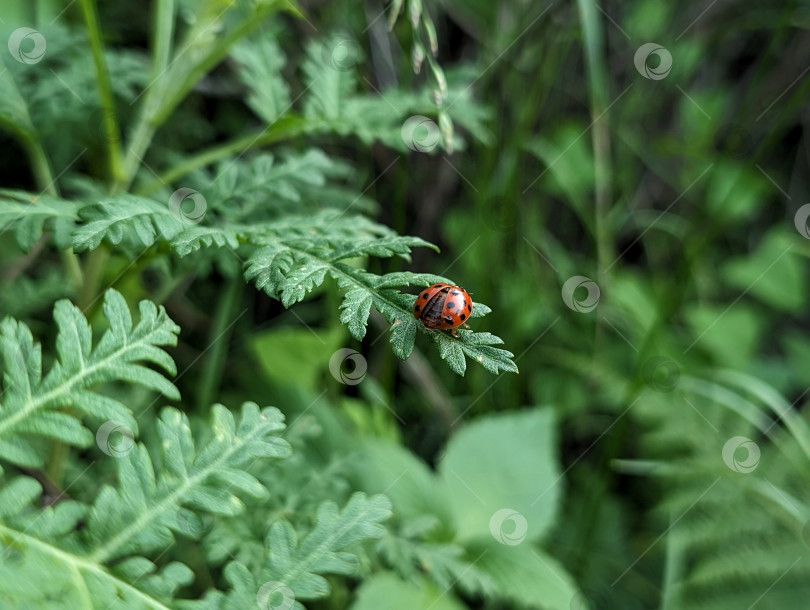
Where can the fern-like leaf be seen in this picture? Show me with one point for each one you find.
(28, 215)
(288, 271)
(107, 559)
(139, 515)
(299, 565)
(261, 62)
(32, 406)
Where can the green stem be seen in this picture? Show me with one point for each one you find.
(177, 80)
(593, 43)
(112, 134)
(600, 135)
(100, 574)
(283, 129)
(214, 364)
(164, 32)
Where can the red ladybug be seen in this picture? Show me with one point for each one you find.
(443, 307)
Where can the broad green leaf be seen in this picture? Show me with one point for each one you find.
(526, 576)
(385, 591)
(773, 273)
(502, 476)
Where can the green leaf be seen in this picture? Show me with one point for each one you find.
(327, 85)
(502, 476)
(141, 513)
(729, 334)
(29, 214)
(385, 591)
(526, 576)
(125, 217)
(101, 559)
(773, 273)
(30, 404)
(327, 548)
(261, 61)
(418, 491)
(14, 115)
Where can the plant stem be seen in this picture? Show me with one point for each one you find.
(600, 136)
(112, 133)
(283, 129)
(164, 32)
(178, 78)
(214, 363)
(47, 184)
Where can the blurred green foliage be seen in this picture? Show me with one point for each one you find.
(654, 450)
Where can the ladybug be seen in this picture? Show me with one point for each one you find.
(443, 307)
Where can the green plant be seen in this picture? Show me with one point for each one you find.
(286, 220)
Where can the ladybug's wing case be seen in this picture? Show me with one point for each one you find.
(431, 315)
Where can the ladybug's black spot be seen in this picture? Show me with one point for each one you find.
(445, 289)
(417, 307)
(469, 307)
(425, 296)
(448, 319)
(436, 286)
(463, 316)
(451, 305)
(454, 292)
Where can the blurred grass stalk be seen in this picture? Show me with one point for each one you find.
(593, 42)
